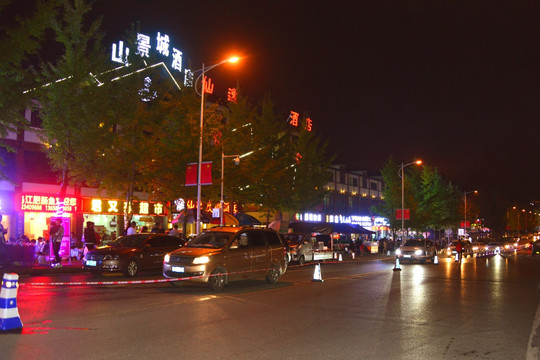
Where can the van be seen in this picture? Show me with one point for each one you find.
(223, 254)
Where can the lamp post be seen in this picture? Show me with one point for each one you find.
(465, 209)
(236, 162)
(203, 71)
(402, 176)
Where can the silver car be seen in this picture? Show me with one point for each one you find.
(417, 250)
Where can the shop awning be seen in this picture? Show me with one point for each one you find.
(327, 228)
(228, 220)
(246, 219)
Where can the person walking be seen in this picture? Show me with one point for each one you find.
(459, 250)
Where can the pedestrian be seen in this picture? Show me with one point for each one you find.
(132, 230)
(174, 231)
(144, 229)
(3, 232)
(385, 246)
(459, 249)
(56, 234)
(89, 235)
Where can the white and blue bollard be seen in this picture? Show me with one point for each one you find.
(9, 314)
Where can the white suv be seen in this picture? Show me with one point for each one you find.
(419, 250)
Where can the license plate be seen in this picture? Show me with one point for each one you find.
(407, 256)
(91, 263)
(178, 269)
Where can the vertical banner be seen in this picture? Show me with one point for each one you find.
(206, 173)
(191, 174)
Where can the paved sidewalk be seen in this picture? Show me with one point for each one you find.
(38, 270)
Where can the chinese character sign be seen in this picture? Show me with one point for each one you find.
(231, 95)
(293, 118)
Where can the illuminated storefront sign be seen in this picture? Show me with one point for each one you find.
(145, 44)
(364, 221)
(209, 206)
(48, 203)
(119, 207)
(295, 121)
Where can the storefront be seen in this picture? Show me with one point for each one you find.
(39, 209)
(108, 215)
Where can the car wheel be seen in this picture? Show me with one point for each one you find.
(301, 260)
(218, 280)
(273, 274)
(132, 268)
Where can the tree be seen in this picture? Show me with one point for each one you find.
(21, 39)
(69, 100)
(391, 193)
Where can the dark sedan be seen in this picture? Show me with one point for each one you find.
(132, 253)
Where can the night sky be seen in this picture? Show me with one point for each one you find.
(454, 83)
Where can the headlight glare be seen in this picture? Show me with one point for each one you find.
(418, 252)
(201, 260)
(167, 257)
(398, 252)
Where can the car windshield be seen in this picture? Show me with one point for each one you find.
(415, 243)
(129, 241)
(210, 239)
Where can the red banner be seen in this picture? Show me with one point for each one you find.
(206, 173)
(406, 214)
(191, 174)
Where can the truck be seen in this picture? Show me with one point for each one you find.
(309, 247)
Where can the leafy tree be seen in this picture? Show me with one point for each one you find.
(21, 39)
(391, 193)
(70, 101)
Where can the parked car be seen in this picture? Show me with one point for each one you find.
(132, 253)
(222, 254)
(466, 246)
(419, 250)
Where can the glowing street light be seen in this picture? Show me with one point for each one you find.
(402, 176)
(233, 59)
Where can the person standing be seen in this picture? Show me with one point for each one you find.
(174, 231)
(459, 249)
(3, 232)
(56, 234)
(132, 230)
(89, 235)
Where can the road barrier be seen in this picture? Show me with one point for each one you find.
(165, 280)
(9, 314)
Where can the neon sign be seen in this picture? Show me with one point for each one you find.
(48, 203)
(145, 44)
(118, 207)
(294, 121)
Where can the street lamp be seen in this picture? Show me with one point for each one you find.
(236, 162)
(402, 176)
(203, 71)
(465, 210)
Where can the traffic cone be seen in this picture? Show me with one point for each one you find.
(397, 267)
(352, 254)
(9, 314)
(436, 260)
(317, 277)
(340, 258)
(457, 258)
(388, 253)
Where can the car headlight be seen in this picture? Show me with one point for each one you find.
(418, 252)
(167, 257)
(111, 257)
(201, 260)
(398, 252)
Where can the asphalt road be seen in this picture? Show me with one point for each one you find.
(483, 308)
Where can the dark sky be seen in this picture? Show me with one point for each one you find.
(454, 83)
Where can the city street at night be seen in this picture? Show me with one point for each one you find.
(483, 308)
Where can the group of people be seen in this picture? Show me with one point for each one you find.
(157, 229)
